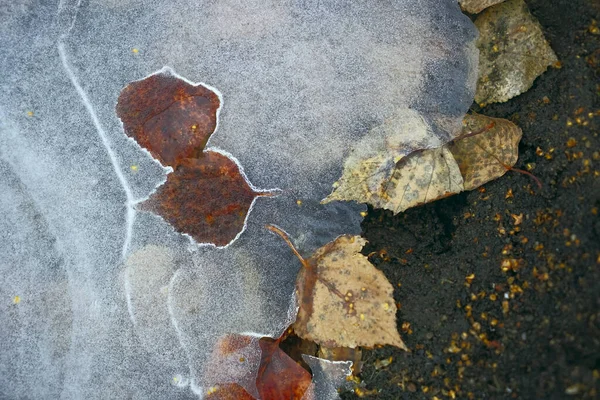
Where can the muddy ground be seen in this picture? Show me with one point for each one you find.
(498, 289)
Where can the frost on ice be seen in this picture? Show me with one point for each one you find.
(98, 300)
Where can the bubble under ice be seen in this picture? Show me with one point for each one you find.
(97, 301)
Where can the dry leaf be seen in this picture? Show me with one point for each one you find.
(419, 178)
(244, 365)
(476, 6)
(486, 149)
(344, 300)
(512, 52)
(171, 118)
(489, 154)
(206, 197)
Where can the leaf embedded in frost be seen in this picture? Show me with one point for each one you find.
(280, 377)
(372, 176)
(476, 6)
(512, 52)
(362, 179)
(207, 198)
(489, 154)
(168, 116)
(237, 372)
(344, 300)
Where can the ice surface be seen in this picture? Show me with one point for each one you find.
(328, 376)
(98, 301)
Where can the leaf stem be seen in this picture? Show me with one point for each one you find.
(287, 240)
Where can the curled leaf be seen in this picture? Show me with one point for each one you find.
(512, 52)
(169, 117)
(207, 198)
(344, 300)
(489, 154)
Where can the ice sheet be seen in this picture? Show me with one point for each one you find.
(100, 301)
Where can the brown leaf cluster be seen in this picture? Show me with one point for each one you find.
(486, 149)
(206, 196)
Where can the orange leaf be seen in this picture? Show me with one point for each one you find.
(280, 377)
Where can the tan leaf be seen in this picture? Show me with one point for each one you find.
(368, 169)
(420, 178)
(512, 52)
(489, 154)
(344, 300)
(476, 6)
(362, 181)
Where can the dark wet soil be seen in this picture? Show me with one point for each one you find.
(498, 289)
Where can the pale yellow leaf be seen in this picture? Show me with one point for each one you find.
(512, 52)
(420, 178)
(344, 300)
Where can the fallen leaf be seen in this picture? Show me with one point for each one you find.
(476, 6)
(344, 300)
(362, 180)
(169, 117)
(512, 52)
(487, 155)
(207, 198)
(234, 365)
(418, 178)
(485, 150)
(280, 377)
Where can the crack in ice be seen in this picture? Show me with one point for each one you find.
(106, 142)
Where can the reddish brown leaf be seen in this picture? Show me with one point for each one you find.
(168, 116)
(280, 377)
(277, 375)
(206, 198)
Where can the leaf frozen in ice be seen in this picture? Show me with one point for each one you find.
(168, 116)
(418, 178)
(280, 377)
(486, 149)
(207, 198)
(240, 370)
